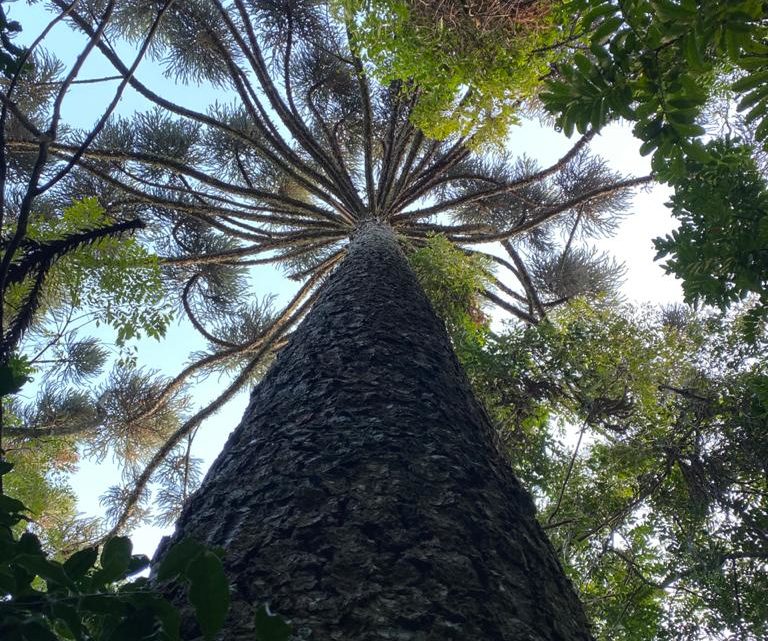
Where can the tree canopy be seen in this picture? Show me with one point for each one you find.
(472, 63)
(660, 64)
(304, 144)
(655, 507)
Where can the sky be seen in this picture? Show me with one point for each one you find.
(646, 218)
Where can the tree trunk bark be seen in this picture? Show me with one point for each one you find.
(363, 497)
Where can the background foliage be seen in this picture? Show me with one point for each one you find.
(470, 63)
(88, 595)
(660, 64)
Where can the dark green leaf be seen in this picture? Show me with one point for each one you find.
(178, 558)
(759, 110)
(115, 560)
(761, 133)
(582, 63)
(270, 627)
(137, 563)
(12, 506)
(28, 543)
(689, 129)
(71, 616)
(596, 118)
(647, 147)
(51, 571)
(668, 11)
(752, 98)
(164, 611)
(135, 627)
(80, 562)
(104, 604)
(37, 631)
(208, 592)
(693, 53)
(7, 582)
(13, 376)
(683, 103)
(750, 81)
(752, 63)
(598, 12)
(697, 151)
(606, 30)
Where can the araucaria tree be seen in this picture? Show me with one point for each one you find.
(364, 494)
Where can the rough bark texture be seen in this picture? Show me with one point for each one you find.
(362, 496)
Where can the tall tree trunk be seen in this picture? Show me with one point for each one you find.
(363, 496)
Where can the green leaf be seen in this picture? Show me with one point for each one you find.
(685, 129)
(697, 151)
(270, 627)
(115, 560)
(51, 571)
(137, 563)
(135, 627)
(647, 147)
(752, 98)
(582, 63)
(103, 604)
(168, 616)
(693, 53)
(80, 562)
(681, 116)
(36, 631)
(11, 506)
(13, 375)
(759, 110)
(208, 592)
(751, 63)
(605, 9)
(683, 103)
(649, 130)
(750, 81)
(568, 120)
(761, 133)
(603, 33)
(71, 616)
(178, 558)
(732, 42)
(599, 111)
(670, 12)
